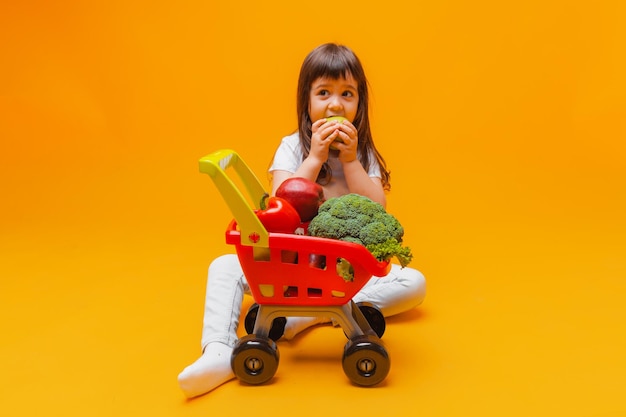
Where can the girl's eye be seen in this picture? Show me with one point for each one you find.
(348, 94)
(323, 92)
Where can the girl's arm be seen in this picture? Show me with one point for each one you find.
(309, 169)
(360, 182)
(357, 179)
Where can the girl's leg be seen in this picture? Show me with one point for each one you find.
(401, 290)
(226, 286)
(224, 294)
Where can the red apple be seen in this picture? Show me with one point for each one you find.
(304, 195)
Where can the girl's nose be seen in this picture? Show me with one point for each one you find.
(335, 103)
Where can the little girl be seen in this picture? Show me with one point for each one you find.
(331, 83)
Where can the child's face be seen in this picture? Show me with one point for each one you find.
(330, 97)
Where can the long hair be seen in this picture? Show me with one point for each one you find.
(335, 61)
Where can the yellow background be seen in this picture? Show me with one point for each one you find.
(504, 125)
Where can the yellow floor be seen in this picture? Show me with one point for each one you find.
(503, 126)
(518, 321)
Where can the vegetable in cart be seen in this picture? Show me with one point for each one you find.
(277, 215)
(356, 218)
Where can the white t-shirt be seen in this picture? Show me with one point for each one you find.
(288, 158)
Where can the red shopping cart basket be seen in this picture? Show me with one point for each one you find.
(302, 270)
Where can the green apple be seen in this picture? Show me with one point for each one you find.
(339, 119)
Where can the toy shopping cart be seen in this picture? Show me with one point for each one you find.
(295, 275)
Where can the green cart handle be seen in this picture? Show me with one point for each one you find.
(215, 165)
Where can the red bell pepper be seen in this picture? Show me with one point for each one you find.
(277, 215)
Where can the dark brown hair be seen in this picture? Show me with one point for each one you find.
(335, 61)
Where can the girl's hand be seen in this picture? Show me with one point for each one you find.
(322, 135)
(342, 135)
(347, 141)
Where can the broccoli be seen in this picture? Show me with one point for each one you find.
(358, 219)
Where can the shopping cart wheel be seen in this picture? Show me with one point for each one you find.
(278, 324)
(254, 359)
(365, 360)
(374, 317)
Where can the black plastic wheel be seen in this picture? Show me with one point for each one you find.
(365, 361)
(254, 359)
(374, 317)
(276, 330)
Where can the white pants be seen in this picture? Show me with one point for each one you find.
(401, 290)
